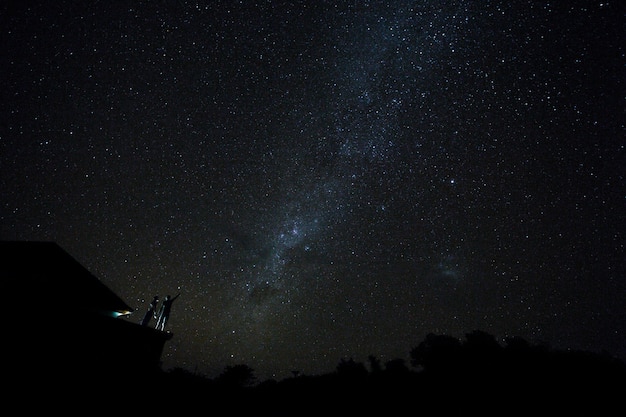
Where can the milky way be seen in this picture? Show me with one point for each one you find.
(322, 181)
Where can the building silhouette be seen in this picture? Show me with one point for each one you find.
(61, 320)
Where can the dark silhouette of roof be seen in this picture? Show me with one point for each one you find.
(60, 320)
(43, 272)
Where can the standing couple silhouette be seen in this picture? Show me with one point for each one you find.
(163, 314)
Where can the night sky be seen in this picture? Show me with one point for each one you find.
(325, 180)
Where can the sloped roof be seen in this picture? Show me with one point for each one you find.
(37, 275)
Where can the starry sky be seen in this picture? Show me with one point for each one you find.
(324, 180)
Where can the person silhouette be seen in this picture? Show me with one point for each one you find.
(151, 311)
(164, 312)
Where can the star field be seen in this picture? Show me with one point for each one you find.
(326, 180)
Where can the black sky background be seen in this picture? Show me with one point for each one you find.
(326, 180)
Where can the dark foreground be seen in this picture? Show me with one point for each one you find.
(446, 378)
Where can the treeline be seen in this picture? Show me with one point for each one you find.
(445, 376)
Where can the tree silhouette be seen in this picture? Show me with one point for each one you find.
(374, 362)
(437, 353)
(396, 366)
(481, 341)
(237, 376)
(348, 368)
